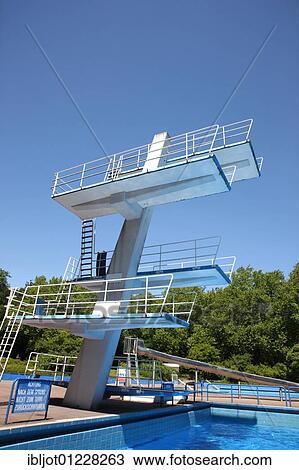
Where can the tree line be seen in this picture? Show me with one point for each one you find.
(251, 325)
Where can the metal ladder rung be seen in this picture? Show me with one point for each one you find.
(11, 330)
(87, 244)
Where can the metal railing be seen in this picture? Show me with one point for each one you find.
(180, 148)
(58, 366)
(205, 392)
(133, 297)
(134, 372)
(184, 254)
(142, 373)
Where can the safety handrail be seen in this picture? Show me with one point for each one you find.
(134, 296)
(242, 391)
(181, 254)
(182, 147)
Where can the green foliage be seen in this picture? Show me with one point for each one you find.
(58, 342)
(16, 366)
(4, 291)
(252, 325)
(293, 362)
(202, 346)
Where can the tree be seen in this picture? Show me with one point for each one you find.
(4, 291)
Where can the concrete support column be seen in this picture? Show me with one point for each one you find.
(89, 378)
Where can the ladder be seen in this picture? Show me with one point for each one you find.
(132, 365)
(13, 319)
(87, 248)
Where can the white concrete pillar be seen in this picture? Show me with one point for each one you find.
(89, 378)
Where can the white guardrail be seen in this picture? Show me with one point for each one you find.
(134, 297)
(175, 255)
(130, 162)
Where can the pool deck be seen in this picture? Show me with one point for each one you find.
(57, 412)
(112, 407)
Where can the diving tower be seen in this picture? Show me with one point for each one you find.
(135, 289)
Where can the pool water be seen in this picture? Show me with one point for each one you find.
(201, 426)
(228, 433)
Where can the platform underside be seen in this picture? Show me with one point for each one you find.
(95, 326)
(242, 156)
(129, 195)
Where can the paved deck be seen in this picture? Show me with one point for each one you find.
(57, 412)
(110, 407)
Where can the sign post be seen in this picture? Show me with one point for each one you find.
(30, 395)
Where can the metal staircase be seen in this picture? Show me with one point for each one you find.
(87, 248)
(11, 325)
(16, 311)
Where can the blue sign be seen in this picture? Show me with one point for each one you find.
(31, 395)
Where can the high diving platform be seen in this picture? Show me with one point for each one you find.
(133, 286)
(126, 303)
(193, 262)
(170, 169)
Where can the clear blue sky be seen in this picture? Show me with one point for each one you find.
(136, 68)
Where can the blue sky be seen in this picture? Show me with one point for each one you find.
(136, 68)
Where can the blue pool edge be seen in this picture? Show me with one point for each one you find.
(26, 434)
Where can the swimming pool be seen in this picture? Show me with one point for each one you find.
(183, 427)
(226, 430)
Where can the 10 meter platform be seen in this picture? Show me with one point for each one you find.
(170, 169)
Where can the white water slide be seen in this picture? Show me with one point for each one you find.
(213, 369)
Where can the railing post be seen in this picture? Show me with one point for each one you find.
(186, 146)
(217, 250)
(68, 299)
(63, 367)
(35, 303)
(55, 184)
(280, 394)
(214, 137)
(160, 258)
(105, 291)
(146, 294)
(35, 364)
(249, 128)
(82, 175)
(56, 368)
(154, 373)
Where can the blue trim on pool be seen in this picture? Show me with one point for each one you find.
(25, 437)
